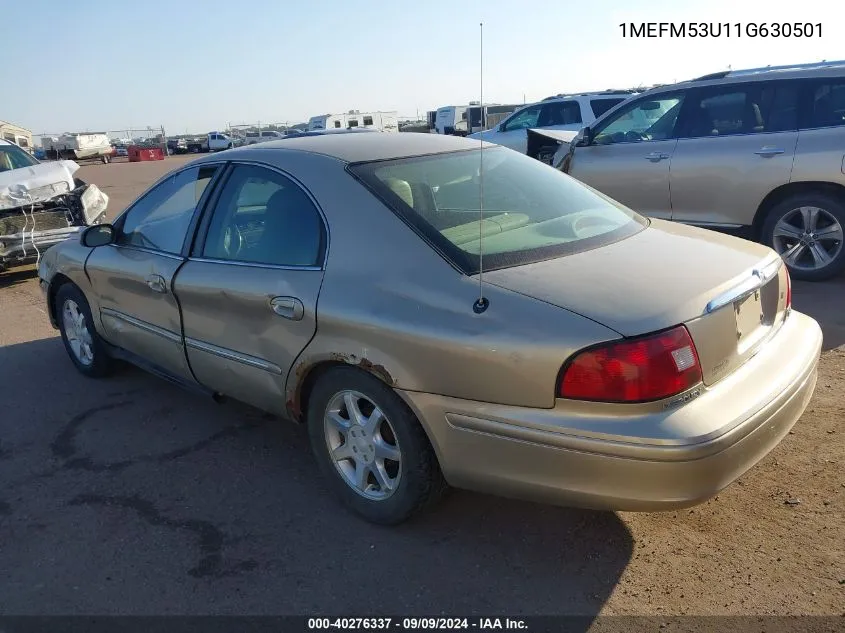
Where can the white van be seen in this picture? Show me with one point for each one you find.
(451, 120)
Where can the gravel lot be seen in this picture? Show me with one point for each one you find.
(131, 496)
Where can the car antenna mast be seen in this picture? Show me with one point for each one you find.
(481, 303)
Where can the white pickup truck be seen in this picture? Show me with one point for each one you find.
(213, 142)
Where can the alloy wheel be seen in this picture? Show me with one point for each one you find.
(808, 238)
(76, 331)
(362, 445)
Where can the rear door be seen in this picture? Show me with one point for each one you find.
(629, 156)
(820, 154)
(133, 278)
(737, 142)
(249, 290)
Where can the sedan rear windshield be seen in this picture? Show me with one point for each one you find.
(531, 212)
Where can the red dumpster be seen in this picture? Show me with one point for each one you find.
(137, 153)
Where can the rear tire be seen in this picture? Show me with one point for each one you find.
(86, 349)
(806, 230)
(376, 457)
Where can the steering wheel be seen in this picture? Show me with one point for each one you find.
(233, 240)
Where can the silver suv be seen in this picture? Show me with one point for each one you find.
(759, 151)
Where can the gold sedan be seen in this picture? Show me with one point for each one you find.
(438, 311)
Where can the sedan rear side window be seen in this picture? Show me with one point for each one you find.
(531, 211)
(263, 217)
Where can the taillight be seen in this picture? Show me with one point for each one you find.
(637, 370)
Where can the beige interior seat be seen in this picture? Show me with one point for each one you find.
(402, 189)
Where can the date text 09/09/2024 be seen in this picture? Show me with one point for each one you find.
(721, 29)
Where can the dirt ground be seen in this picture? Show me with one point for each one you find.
(131, 496)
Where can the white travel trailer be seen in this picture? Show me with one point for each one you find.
(383, 121)
(452, 119)
(78, 146)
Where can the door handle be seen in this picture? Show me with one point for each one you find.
(288, 307)
(157, 283)
(769, 151)
(656, 156)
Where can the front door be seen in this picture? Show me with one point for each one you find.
(630, 154)
(133, 278)
(736, 145)
(249, 290)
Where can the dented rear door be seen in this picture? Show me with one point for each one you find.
(249, 291)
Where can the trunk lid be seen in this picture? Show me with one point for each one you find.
(730, 293)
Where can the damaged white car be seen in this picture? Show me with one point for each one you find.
(41, 204)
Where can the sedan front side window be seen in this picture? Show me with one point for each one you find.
(160, 220)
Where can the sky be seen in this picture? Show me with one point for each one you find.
(194, 66)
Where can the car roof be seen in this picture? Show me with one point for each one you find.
(356, 148)
(834, 70)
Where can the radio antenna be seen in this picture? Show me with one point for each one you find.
(481, 303)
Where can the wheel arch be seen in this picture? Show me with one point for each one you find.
(308, 372)
(778, 195)
(57, 282)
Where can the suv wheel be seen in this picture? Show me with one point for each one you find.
(806, 230)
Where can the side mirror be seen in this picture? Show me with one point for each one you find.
(586, 137)
(501, 127)
(98, 235)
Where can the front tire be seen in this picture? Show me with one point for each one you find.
(806, 230)
(370, 447)
(86, 349)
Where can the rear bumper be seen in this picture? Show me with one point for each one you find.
(663, 462)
